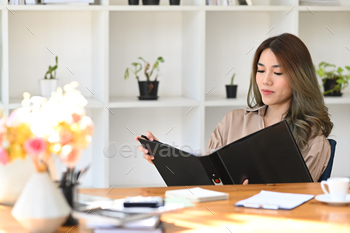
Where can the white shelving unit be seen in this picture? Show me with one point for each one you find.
(200, 45)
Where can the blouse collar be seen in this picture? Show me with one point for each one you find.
(260, 110)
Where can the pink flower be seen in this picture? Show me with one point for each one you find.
(70, 155)
(4, 157)
(35, 146)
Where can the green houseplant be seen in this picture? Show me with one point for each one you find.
(148, 89)
(333, 79)
(49, 83)
(231, 90)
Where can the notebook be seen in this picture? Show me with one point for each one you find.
(275, 200)
(197, 194)
(270, 155)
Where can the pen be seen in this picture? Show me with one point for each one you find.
(263, 206)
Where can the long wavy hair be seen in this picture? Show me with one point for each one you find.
(307, 111)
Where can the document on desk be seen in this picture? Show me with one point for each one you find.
(275, 200)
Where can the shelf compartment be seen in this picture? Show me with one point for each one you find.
(171, 125)
(176, 36)
(332, 43)
(228, 53)
(72, 36)
(213, 115)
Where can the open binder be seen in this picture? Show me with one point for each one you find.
(270, 155)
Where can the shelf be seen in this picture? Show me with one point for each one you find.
(133, 102)
(324, 8)
(248, 8)
(154, 8)
(54, 8)
(171, 8)
(92, 103)
(219, 101)
(345, 99)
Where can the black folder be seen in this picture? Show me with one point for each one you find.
(270, 155)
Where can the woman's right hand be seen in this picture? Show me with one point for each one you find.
(151, 137)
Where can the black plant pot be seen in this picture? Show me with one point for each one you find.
(148, 90)
(174, 2)
(328, 85)
(231, 91)
(134, 2)
(150, 2)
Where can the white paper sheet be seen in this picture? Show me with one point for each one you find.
(275, 200)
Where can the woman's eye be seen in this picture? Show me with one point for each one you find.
(260, 71)
(278, 73)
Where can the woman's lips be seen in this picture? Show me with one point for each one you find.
(267, 92)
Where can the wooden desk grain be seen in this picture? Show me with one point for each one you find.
(222, 216)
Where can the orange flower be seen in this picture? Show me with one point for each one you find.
(70, 155)
(65, 136)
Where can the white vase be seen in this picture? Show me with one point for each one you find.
(13, 178)
(41, 207)
(48, 86)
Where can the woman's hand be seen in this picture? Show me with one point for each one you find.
(151, 137)
(245, 182)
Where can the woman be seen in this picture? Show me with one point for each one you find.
(283, 85)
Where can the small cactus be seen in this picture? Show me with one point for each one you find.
(52, 71)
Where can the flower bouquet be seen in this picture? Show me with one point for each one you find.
(39, 129)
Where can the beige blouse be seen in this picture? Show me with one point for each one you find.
(242, 122)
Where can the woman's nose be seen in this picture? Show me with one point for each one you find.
(267, 78)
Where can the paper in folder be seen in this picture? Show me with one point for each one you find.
(275, 200)
(270, 155)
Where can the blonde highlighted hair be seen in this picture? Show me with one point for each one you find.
(307, 110)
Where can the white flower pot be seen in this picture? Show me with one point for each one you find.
(13, 178)
(41, 207)
(48, 86)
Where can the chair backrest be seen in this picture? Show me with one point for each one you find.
(327, 173)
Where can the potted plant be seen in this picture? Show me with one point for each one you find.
(134, 2)
(148, 89)
(174, 2)
(49, 84)
(150, 2)
(333, 79)
(231, 90)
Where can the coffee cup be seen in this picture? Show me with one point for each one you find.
(338, 188)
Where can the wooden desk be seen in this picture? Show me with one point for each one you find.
(222, 216)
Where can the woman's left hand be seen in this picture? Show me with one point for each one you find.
(245, 182)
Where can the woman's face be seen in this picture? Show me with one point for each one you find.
(272, 81)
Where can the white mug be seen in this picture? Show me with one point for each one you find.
(338, 188)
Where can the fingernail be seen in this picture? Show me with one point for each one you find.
(151, 139)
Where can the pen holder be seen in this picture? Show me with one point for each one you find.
(68, 185)
(69, 193)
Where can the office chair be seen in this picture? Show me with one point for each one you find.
(327, 173)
